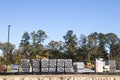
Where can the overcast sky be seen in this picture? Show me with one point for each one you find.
(56, 17)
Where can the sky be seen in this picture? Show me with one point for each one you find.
(56, 17)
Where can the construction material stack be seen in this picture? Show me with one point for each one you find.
(112, 64)
(60, 65)
(52, 65)
(25, 65)
(35, 65)
(14, 68)
(44, 65)
(68, 65)
(78, 67)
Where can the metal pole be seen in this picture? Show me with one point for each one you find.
(8, 43)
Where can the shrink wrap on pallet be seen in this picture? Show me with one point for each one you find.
(35, 63)
(44, 70)
(44, 63)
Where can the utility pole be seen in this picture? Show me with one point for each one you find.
(8, 45)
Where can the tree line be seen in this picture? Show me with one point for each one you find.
(82, 48)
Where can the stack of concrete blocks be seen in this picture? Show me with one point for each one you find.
(78, 67)
(60, 65)
(35, 65)
(52, 65)
(14, 68)
(44, 65)
(112, 64)
(68, 65)
(25, 65)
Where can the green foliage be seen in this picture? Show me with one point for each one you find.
(111, 40)
(7, 49)
(25, 38)
(70, 45)
(55, 49)
(84, 48)
(41, 36)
